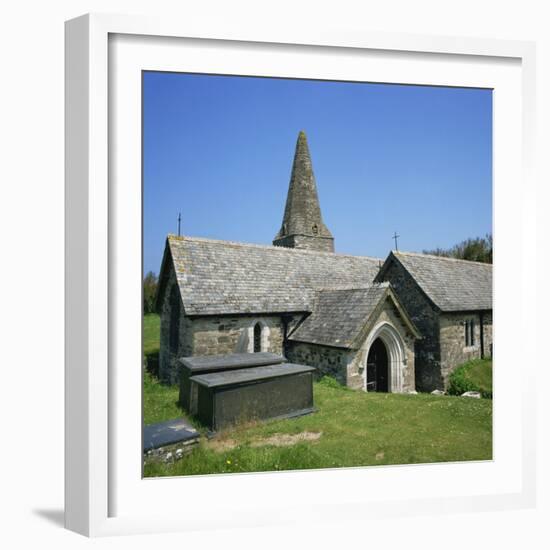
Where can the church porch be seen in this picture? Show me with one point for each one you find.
(362, 337)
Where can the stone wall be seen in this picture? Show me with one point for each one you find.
(306, 242)
(328, 361)
(177, 345)
(426, 318)
(357, 365)
(216, 335)
(348, 366)
(210, 335)
(454, 351)
(488, 334)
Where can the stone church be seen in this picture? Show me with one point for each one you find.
(397, 325)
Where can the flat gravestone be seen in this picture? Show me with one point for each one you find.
(178, 430)
(259, 393)
(190, 366)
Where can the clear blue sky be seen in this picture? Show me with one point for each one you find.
(411, 159)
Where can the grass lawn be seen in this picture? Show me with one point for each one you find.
(475, 375)
(481, 374)
(350, 428)
(151, 334)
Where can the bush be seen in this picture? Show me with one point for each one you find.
(458, 383)
(330, 382)
(150, 284)
(469, 377)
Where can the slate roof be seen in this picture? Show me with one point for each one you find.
(223, 277)
(340, 315)
(451, 284)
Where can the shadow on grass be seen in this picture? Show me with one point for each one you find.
(152, 363)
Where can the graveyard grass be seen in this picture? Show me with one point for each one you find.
(475, 375)
(356, 429)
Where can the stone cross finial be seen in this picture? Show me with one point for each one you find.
(395, 237)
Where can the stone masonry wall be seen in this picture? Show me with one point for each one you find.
(211, 335)
(357, 365)
(168, 370)
(488, 334)
(426, 318)
(305, 242)
(328, 361)
(216, 335)
(347, 366)
(454, 351)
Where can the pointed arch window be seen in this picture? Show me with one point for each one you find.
(257, 338)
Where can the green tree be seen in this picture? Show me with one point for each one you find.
(150, 283)
(479, 249)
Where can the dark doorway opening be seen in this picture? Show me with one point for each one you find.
(377, 367)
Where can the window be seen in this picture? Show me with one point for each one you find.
(257, 338)
(469, 333)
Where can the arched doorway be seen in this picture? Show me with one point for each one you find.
(385, 347)
(378, 367)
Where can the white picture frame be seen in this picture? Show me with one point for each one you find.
(104, 493)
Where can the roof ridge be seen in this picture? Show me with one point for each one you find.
(436, 257)
(384, 284)
(269, 246)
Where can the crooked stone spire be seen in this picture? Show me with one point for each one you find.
(303, 225)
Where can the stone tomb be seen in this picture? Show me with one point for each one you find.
(230, 397)
(191, 366)
(166, 433)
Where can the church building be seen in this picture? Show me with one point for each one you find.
(394, 326)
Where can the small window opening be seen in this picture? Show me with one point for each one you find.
(469, 333)
(257, 338)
